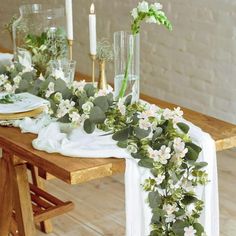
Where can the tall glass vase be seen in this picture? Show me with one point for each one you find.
(42, 32)
(127, 65)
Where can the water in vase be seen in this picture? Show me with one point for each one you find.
(132, 86)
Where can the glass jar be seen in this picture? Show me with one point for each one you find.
(41, 31)
(127, 65)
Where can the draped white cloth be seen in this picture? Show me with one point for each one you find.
(62, 139)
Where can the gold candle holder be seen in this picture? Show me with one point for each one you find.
(70, 44)
(93, 57)
(102, 82)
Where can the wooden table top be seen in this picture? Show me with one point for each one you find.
(78, 170)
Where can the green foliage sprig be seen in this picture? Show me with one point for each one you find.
(151, 13)
(50, 45)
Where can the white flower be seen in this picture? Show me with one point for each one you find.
(104, 92)
(17, 79)
(150, 112)
(132, 148)
(121, 107)
(167, 114)
(156, 6)
(3, 79)
(78, 85)
(159, 179)
(170, 208)
(187, 185)
(153, 153)
(75, 118)
(9, 88)
(151, 19)
(179, 147)
(50, 90)
(178, 112)
(174, 115)
(87, 107)
(161, 155)
(134, 13)
(144, 124)
(170, 218)
(64, 107)
(143, 7)
(189, 231)
(58, 74)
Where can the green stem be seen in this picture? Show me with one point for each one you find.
(126, 77)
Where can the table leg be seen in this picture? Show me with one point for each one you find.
(6, 193)
(22, 200)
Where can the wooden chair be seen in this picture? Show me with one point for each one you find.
(45, 206)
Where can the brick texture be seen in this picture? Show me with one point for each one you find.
(193, 66)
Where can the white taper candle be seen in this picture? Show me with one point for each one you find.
(69, 19)
(92, 31)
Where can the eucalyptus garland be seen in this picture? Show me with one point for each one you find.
(157, 138)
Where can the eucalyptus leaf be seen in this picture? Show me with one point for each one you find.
(189, 199)
(195, 147)
(191, 155)
(146, 162)
(121, 135)
(97, 115)
(200, 165)
(157, 214)
(101, 102)
(183, 127)
(59, 85)
(29, 76)
(157, 133)
(82, 101)
(154, 199)
(89, 127)
(122, 144)
(199, 228)
(178, 227)
(24, 86)
(141, 133)
(90, 90)
(110, 98)
(137, 155)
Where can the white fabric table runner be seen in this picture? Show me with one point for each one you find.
(59, 138)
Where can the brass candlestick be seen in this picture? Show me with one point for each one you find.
(93, 57)
(102, 82)
(70, 44)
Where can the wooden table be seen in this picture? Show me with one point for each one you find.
(17, 151)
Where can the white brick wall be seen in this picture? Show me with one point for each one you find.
(193, 66)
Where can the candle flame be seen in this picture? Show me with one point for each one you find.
(92, 9)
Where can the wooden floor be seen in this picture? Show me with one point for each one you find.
(100, 204)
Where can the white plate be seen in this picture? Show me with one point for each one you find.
(24, 102)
